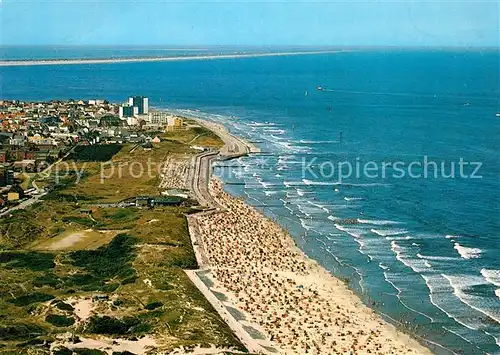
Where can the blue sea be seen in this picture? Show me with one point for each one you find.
(414, 228)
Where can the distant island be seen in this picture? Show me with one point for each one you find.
(5, 63)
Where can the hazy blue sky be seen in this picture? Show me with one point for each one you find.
(126, 22)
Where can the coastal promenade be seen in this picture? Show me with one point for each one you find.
(201, 165)
(198, 182)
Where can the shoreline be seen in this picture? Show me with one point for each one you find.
(317, 302)
(38, 62)
(219, 250)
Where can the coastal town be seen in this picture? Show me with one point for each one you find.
(249, 177)
(35, 135)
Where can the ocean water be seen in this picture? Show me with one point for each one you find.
(422, 251)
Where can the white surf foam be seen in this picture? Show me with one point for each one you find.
(263, 124)
(302, 192)
(459, 332)
(386, 232)
(467, 253)
(309, 209)
(436, 258)
(404, 255)
(306, 141)
(491, 276)
(394, 279)
(305, 224)
(383, 267)
(282, 161)
(377, 222)
(274, 131)
(353, 198)
(319, 183)
(356, 233)
(293, 183)
(462, 288)
(401, 238)
(323, 207)
(280, 138)
(441, 296)
(266, 184)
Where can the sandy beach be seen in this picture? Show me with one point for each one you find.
(302, 307)
(9, 63)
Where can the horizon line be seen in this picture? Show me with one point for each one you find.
(202, 46)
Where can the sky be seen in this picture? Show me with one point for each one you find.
(466, 23)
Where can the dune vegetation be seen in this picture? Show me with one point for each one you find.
(70, 266)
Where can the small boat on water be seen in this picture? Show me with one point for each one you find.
(319, 88)
(498, 114)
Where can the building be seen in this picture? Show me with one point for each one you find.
(136, 106)
(13, 196)
(141, 102)
(175, 121)
(127, 110)
(166, 201)
(175, 124)
(9, 177)
(147, 146)
(147, 201)
(158, 118)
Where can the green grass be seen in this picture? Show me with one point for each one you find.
(62, 351)
(64, 306)
(153, 305)
(20, 331)
(35, 286)
(31, 298)
(30, 260)
(88, 352)
(114, 326)
(112, 261)
(95, 153)
(60, 321)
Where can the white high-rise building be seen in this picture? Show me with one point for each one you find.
(127, 111)
(141, 102)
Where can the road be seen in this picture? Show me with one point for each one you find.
(37, 197)
(23, 204)
(198, 181)
(199, 177)
(201, 167)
